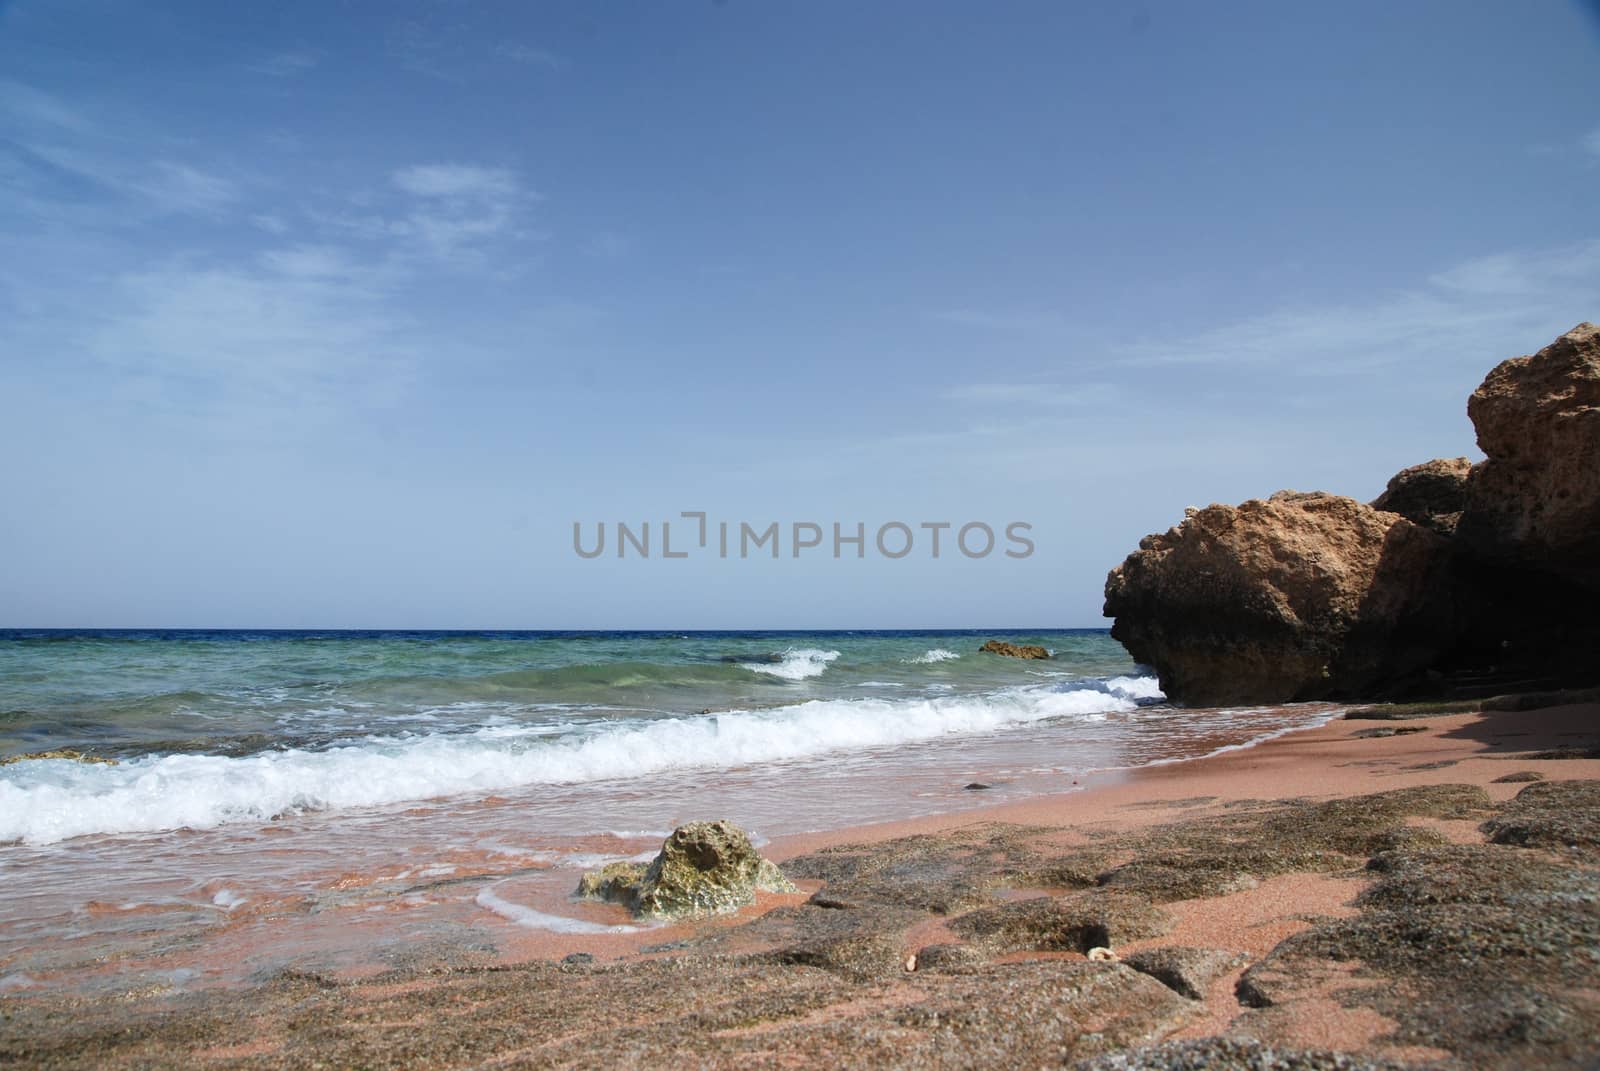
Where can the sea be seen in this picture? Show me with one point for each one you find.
(339, 799)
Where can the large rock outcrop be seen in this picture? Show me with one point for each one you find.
(703, 868)
(1301, 596)
(1459, 580)
(1535, 503)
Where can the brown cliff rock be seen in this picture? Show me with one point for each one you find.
(1301, 596)
(1535, 503)
(1431, 494)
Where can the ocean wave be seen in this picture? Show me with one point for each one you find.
(43, 801)
(937, 654)
(797, 664)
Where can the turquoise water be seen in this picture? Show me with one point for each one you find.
(212, 728)
(321, 799)
(236, 692)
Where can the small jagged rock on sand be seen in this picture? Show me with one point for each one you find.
(703, 868)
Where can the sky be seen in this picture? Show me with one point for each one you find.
(342, 314)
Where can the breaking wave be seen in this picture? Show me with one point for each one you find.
(42, 801)
(796, 664)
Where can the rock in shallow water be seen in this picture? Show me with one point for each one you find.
(1014, 650)
(703, 868)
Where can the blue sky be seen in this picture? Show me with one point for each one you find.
(340, 315)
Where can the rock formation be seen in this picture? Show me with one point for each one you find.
(1301, 596)
(1014, 650)
(1535, 503)
(1431, 494)
(1457, 573)
(704, 868)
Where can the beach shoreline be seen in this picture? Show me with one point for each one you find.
(815, 975)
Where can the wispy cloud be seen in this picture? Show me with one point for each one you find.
(609, 245)
(457, 181)
(57, 162)
(1590, 142)
(1484, 304)
(287, 64)
(517, 52)
(1041, 394)
(1005, 321)
(34, 107)
(301, 337)
(451, 213)
(181, 188)
(1487, 302)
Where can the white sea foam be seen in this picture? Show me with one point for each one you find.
(937, 654)
(798, 663)
(538, 920)
(1135, 687)
(227, 899)
(47, 800)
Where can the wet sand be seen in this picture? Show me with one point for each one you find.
(862, 971)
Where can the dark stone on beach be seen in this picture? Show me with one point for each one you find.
(578, 959)
(1187, 880)
(1227, 854)
(1367, 734)
(950, 958)
(1300, 596)
(1561, 815)
(1014, 650)
(1563, 753)
(860, 943)
(1431, 494)
(703, 868)
(1073, 923)
(1037, 1014)
(1186, 971)
(1519, 777)
(1232, 1054)
(940, 873)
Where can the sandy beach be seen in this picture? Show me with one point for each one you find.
(962, 940)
